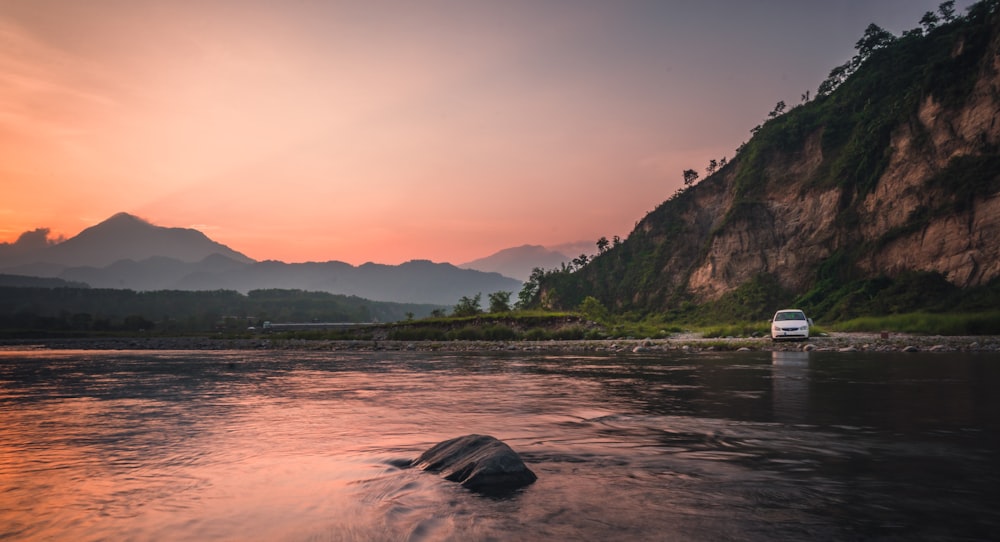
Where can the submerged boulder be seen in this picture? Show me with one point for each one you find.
(478, 462)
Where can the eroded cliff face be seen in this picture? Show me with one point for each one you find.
(794, 225)
(784, 234)
(896, 170)
(963, 246)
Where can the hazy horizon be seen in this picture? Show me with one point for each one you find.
(392, 131)
(40, 239)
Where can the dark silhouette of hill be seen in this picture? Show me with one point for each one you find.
(126, 237)
(417, 281)
(22, 281)
(125, 252)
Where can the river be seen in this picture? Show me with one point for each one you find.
(246, 445)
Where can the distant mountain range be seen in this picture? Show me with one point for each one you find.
(125, 251)
(518, 262)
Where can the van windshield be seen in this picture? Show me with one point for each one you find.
(797, 315)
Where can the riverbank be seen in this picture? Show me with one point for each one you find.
(834, 342)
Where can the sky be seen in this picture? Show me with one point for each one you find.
(386, 131)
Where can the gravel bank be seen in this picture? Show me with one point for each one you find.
(836, 342)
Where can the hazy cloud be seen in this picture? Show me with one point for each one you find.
(28, 242)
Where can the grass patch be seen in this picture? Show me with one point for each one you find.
(653, 326)
(924, 323)
(313, 335)
(513, 326)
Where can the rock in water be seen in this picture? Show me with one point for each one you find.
(478, 462)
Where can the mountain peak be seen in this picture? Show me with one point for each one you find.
(125, 218)
(119, 222)
(125, 236)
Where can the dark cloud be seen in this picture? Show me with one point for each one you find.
(28, 242)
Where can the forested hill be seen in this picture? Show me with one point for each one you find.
(886, 177)
(49, 311)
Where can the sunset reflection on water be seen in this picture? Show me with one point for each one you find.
(302, 446)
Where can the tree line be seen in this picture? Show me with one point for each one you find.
(168, 311)
(875, 38)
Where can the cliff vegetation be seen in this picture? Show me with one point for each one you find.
(878, 194)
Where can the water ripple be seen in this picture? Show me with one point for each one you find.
(309, 446)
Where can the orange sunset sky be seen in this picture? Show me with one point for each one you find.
(388, 131)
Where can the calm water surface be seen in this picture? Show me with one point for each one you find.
(302, 446)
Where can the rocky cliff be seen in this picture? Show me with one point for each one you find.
(896, 170)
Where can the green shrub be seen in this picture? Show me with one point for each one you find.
(569, 333)
(417, 334)
(499, 333)
(467, 333)
(536, 334)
